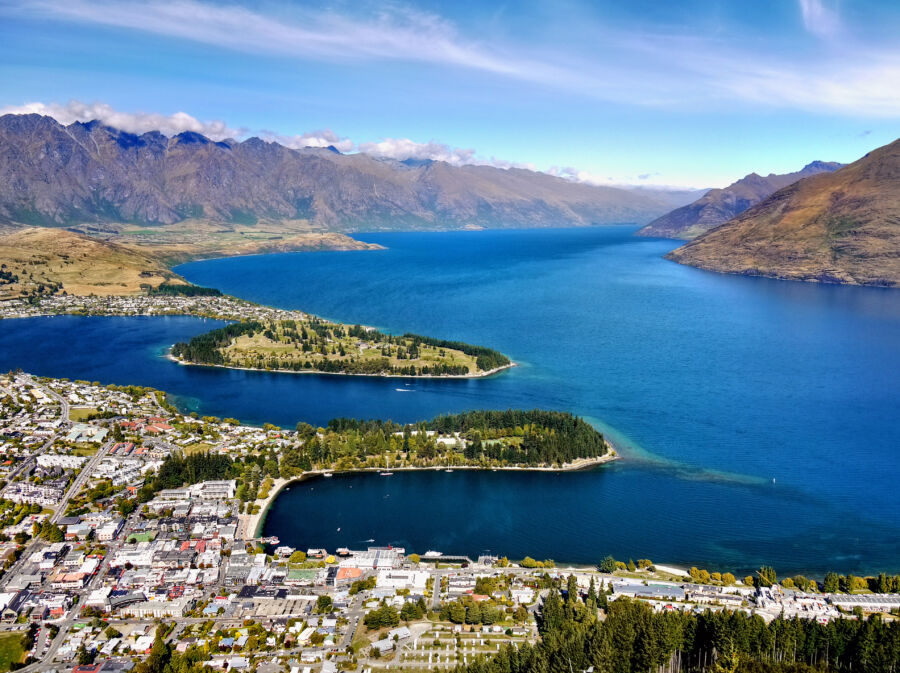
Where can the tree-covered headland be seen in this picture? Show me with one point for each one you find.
(317, 345)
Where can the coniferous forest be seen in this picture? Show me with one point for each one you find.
(632, 638)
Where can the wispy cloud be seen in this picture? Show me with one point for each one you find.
(620, 65)
(398, 33)
(819, 19)
(132, 122)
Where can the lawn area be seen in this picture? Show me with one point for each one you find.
(84, 450)
(245, 350)
(10, 650)
(198, 447)
(80, 413)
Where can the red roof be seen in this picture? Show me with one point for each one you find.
(349, 573)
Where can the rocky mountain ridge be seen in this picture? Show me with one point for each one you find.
(89, 173)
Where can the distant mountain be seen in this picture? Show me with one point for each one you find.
(88, 173)
(841, 227)
(674, 198)
(720, 205)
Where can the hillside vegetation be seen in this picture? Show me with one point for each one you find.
(841, 227)
(42, 262)
(720, 205)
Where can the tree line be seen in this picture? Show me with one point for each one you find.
(533, 437)
(178, 470)
(179, 290)
(207, 348)
(633, 637)
(485, 358)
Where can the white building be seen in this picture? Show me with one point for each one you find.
(64, 461)
(414, 580)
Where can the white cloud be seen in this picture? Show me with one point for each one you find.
(619, 64)
(132, 122)
(404, 148)
(319, 138)
(819, 19)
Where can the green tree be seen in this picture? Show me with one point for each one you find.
(607, 565)
(766, 577)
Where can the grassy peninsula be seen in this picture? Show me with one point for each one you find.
(316, 345)
(41, 262)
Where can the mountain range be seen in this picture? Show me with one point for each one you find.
(841, 226)
(89, 173)
(720, 205)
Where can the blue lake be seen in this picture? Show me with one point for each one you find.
(760, 420)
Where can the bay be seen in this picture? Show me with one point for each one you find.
(758, 418)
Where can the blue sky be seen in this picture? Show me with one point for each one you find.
(695, 92)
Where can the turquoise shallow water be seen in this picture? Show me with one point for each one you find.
(715, 386)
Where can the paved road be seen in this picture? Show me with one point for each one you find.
(80, 480)
(64, 416)
(436, 590)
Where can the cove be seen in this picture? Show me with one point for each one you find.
(575, 517)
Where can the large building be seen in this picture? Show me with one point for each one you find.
(64, 461)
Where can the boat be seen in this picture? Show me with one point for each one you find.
(328, 474)
(448, 470)
(386, 474)
(432, 554)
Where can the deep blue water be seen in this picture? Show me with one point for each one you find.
(714, 386)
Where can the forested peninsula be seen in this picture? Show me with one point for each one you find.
(479, 439)
(316, 345)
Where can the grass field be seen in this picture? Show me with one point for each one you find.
(199, 447)
(80, 413)
(82, 265)
(84, 450)
(11, 651)
(247, 350)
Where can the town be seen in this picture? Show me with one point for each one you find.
(125, 522)
(221, 307)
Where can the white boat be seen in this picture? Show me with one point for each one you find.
(328, 474)
(448, 470)
(386, 474)
(432, 554)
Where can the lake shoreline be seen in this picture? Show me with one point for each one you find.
(252, 524)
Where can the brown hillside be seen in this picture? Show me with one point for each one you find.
(841, 227)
